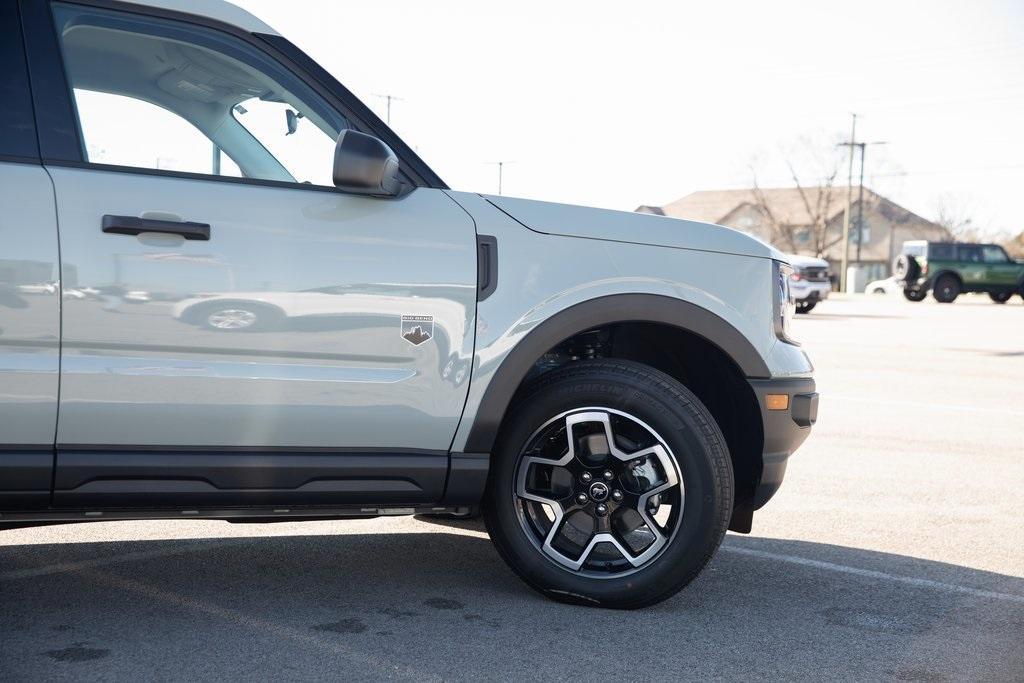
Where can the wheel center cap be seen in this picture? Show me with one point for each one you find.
(599, 491)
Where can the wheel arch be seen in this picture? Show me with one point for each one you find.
(694, 345)
(944, 272)
(592, 314)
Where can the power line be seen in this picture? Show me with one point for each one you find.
(949, 171)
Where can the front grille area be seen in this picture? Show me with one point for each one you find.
(815, 274)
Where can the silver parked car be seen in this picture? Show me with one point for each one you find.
(261, 304)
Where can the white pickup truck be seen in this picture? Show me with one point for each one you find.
(809, 282)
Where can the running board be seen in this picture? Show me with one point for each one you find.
(253, 514)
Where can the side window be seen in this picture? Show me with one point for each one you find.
(994, 254)
(941, 252)
(157, 138)
(198, 100)
(299, 145)
(969, 253)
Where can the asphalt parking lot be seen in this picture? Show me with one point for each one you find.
(895, 550)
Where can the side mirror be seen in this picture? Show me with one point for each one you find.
(365, 165)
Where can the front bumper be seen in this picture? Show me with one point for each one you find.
(784, 429)
(810, 291)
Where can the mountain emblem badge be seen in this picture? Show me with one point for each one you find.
(417, 329)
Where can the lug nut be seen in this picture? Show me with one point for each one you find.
(586, 476)
(616, 495)
(581, 498)
(602, 509)
(609, 475)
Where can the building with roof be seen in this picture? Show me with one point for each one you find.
(809, 221)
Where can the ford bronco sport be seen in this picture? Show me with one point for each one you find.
(950, 269)
(229, 291)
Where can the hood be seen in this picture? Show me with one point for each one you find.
(806, 261)
(635, 228)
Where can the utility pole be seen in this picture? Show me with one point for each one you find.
(860, 196)
(501, 167)
(388, 99)
(845, 257)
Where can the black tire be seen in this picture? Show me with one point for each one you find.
(946, 289)
(805, 306)
(915, 295)
(672, 414)
(1001, 297)
(906, 268)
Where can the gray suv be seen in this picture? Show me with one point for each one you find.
(229, 291)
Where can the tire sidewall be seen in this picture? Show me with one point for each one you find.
(707, 497)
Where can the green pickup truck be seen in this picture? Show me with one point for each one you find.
(950, 269)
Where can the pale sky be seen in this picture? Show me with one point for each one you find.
(619, 104)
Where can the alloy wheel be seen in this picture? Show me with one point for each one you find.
(231, 319)
(598, 492)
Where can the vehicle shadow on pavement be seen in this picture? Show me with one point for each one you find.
(441, 604)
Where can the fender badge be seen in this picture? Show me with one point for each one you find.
(417, 329)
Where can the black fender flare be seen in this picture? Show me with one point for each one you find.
(605, 310)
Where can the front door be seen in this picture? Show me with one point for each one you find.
(234, 328)
(1000, 269)
(971, 266)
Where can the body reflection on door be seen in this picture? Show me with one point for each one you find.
(284, 329)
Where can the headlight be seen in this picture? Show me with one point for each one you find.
(784, 306)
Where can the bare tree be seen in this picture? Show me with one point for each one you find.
(819, 198)
(1015, 246)
(954, 214)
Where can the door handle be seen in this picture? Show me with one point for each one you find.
(132, 225)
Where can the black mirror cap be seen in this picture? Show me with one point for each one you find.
(365, 165)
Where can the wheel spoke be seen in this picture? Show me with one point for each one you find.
(523, 492)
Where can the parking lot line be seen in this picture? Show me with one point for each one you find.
(873, 574)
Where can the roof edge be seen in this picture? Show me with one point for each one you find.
(219, 10)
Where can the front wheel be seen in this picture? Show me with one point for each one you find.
(611, 485)
(1000, 297)
(806, 306)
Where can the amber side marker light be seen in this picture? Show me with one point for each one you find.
(777, 401)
